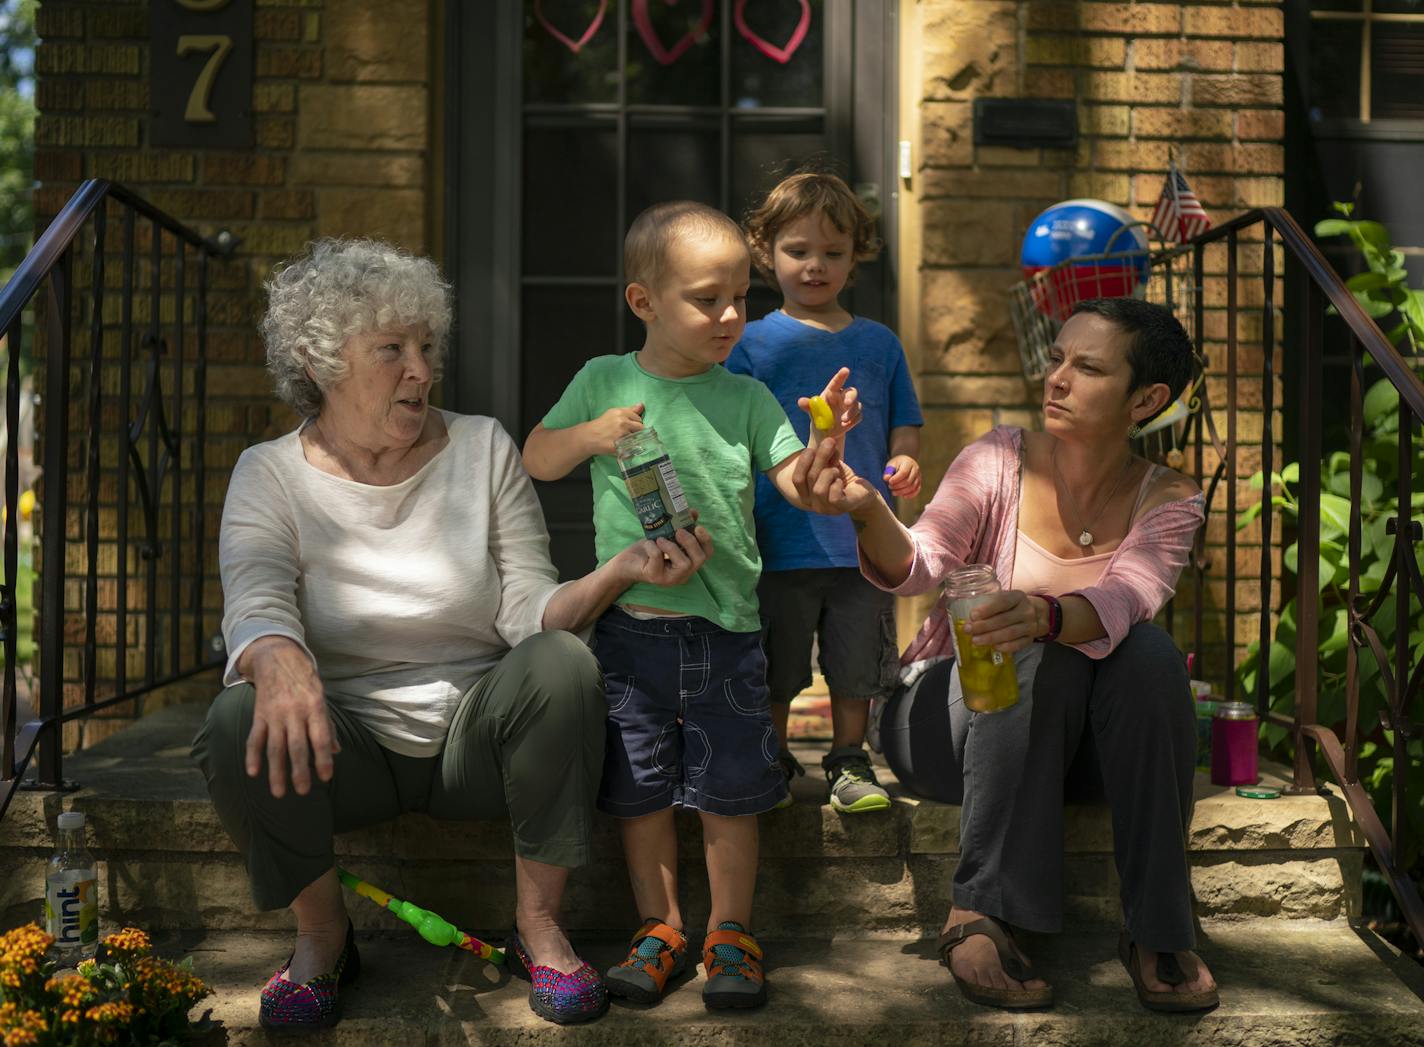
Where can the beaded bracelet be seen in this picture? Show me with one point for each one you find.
(1055, 619)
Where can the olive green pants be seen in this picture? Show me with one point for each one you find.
(525, 743)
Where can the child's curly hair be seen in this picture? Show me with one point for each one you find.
(806, 193)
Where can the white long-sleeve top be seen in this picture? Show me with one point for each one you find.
(404, 596)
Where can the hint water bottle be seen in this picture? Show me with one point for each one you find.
(72, 894)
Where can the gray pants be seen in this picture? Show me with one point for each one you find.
(1122, 725)
(525, 743)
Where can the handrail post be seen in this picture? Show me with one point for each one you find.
(1268, 454)
(1307, 638)
(1232, 407)
(9, 605)
(56, 506)
(1404, 539)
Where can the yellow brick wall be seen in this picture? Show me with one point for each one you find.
(341, 107)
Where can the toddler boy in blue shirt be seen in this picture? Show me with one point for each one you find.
(808, 236)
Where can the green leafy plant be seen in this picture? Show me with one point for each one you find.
(1378, 506)
(1382, 289)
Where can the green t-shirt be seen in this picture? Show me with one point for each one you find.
(720, 429)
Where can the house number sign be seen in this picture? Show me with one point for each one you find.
(201, 73)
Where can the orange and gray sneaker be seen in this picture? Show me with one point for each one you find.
(656, 955)
(732, 959)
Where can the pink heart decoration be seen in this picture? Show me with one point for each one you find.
(588, 34)
(669, 55)
(766, 47)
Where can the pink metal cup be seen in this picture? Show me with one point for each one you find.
(1233, 745)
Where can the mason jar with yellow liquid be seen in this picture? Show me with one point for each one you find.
(986, 676)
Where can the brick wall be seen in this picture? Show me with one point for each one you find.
(1203, 80)
(341, 106)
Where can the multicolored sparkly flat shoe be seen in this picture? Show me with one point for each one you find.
(309, 1006)
(564, 999)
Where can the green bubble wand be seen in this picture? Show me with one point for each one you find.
(432, 927)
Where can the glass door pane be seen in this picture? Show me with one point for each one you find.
(570, 223)
(776, 60)
(674, 53)
(570, 52)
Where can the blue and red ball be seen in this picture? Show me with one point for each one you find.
(1073, 229)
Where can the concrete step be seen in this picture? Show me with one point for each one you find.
(1284, 984)
(167, 863)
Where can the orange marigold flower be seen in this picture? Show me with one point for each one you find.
(130, 941)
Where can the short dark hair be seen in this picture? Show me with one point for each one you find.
(645, 248)
(1158, 347)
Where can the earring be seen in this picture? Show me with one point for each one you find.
(1134, 431)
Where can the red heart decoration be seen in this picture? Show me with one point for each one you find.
(588, 34)
(766, 47)
(669, 55)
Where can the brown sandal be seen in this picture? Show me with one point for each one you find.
(998, 933)
(1170, 972)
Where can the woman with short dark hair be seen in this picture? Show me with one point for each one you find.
(1086, 541)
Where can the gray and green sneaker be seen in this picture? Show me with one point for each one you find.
(791, 767)
(854, 789)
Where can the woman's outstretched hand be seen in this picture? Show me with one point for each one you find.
(1008, 621)
(827, 485)
(843, 404)
(290, 723)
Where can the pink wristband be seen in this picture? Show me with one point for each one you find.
(1055, 619)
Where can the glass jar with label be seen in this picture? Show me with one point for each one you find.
(652, 484)
(986, 676)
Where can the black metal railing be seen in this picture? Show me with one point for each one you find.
(1274, 244)
(122, 523)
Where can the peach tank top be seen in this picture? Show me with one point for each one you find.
(1036, 570)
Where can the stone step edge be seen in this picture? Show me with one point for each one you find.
(910, 828)
(1326, 982)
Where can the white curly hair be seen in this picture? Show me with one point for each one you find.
(339, 288)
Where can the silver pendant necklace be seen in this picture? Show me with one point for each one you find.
(1085, 536)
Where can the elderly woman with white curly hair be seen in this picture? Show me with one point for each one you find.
(397, 637)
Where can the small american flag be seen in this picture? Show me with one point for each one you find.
(1179, 216)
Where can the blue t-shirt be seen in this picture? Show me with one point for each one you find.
(794, 360)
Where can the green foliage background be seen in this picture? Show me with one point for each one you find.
(17, 132)
(1384, 294)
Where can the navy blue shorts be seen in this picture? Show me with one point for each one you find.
(689, 724)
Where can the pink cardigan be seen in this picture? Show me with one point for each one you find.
(973, 518)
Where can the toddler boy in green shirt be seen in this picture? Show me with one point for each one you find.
(689, 723)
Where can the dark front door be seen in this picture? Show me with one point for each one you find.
(571, 116)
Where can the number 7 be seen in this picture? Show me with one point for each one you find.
(198, 111)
